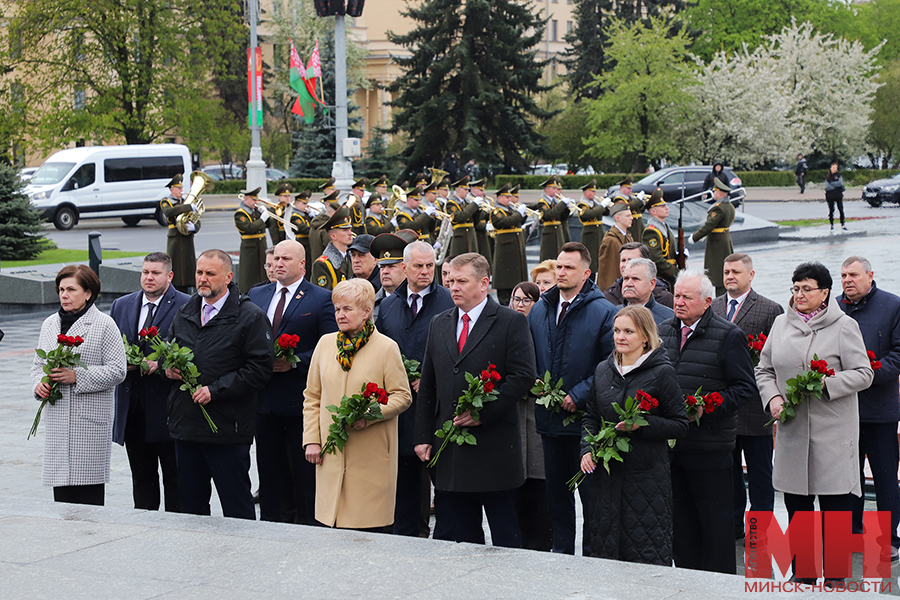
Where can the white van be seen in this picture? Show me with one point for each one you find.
(107, 181)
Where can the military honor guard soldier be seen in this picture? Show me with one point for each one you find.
(334, 265)
(410, 216)
(276, 227)
(179, 247)
(482, 218)
(617, 236)
(357, 210)
(718, 221)
(637, 207)
(591, 212)
(658, 237)
(376, 221)
(462, 214)
(381, 189)
(509, 245)
(300, 219)
(554, 213)
(318, 237)
(250, 220)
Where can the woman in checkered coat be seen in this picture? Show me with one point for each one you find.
(79, 425)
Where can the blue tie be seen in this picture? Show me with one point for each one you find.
(731, 310)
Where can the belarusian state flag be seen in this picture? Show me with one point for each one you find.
(305, 105)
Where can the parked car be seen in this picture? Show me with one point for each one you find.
(677, 182)
(541, 170)
(97, 182)
(26, 173)
(225, 171)
(275, 174)
(882, 190)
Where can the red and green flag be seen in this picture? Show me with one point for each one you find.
(305, 105)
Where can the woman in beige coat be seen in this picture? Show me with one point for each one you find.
(356, 486)
(816, 452)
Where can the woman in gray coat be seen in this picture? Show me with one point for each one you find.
(816, 452)
(79, 425)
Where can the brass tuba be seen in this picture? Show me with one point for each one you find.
(200, 183)
(397, 196)
(437, 175)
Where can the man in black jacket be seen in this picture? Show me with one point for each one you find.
(467, 339)
(706, 351)
(405, 317)
(233, 350)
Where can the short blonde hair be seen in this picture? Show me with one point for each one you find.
(357, 290)
(643, 321)
(546, 266)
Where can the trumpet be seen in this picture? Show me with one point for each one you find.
(528, 211)
(274, 215)
(565, 199)
(200, 183)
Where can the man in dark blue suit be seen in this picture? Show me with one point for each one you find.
(404, 317)
(140, 421)
(294, 306)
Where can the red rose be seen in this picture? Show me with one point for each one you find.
(295, 339)
(142, 333)
(492, 367)
(489, 387)
(763, 338)
(692, 400)
(371, 388)
(495, 375)
(830, 373)
(709, 408)
(714, 398)
(153, 331)
(870, 354)
(645, 405)
(284, 340)
(876, 365)
(382, 396)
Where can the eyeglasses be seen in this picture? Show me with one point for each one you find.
(523, 301)
(805, 290)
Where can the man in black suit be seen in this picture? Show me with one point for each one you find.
(294, 306)
(466, 339)
(140, 421)
(754, 314)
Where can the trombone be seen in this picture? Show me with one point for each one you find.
(275, 206)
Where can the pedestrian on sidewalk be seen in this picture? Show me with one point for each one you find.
(800, 172)
(834, 194)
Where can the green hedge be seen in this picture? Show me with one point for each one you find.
(236, 186)
(569, 182)
(857, 177)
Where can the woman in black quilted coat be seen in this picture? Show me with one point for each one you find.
(631, 506)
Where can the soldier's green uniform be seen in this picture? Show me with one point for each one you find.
(301, 222)
(376, 224)
(509, 248)
(462, 215)
(415, 219)
(180, 248)
(591, 213)
(251, 269)
(718, 245)
(637, 208)
(357, 212)
(331, 268)
(482, 239)
(553, 213)
(276, 227)
(318, 237)
(660, 240)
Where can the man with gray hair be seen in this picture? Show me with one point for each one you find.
(638, 283)
(404, 316)
(878, 314)
(709, 352)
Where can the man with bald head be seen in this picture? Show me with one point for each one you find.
(294, 306)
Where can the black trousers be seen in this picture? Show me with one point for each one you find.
(562, 459)
(463, 511)
(287, 481)
(534, 516)
(703, 532)
(80, 494)
(408, 505)
(827, 503)
(757, 451)
(146, 459)
(840, 206)
(878, 442)
(228, 465)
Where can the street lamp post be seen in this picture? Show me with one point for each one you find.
(256, 166)
(341, 169)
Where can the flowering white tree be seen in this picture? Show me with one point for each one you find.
(798, 90)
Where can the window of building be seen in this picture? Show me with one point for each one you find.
(568, 27)
(553, 34)
(79, 99)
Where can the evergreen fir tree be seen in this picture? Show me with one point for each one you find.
(469, 85)
(314, 143)
(20, 225)
(586, 55)
(377, 161)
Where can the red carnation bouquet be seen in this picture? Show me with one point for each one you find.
(808, 384)
(699, 404)
(61, 357)
(609, 443)
(875, 364)
(480, 391)
(364, 405)
(755, 343)
(134, 355)
(284, 347)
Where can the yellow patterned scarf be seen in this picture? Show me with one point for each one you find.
(348, 346)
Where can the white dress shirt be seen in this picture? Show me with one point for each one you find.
(292, 290)
(473, 316)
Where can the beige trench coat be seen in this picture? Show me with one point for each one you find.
(356, 487)
(816, 452)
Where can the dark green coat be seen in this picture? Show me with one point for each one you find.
(552, 237)
(318, 237)
(378, 224)
(252, 266)
(463, 217)
(509, 249)
(324, 275)
(420, 222)
(300, 221)
(276, 230)
(637, 218)
(662, 246)
(180, 248)
(592, 230)
(481, 234)
(718, 245)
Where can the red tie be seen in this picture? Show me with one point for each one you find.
(464, 334)
(279, 310)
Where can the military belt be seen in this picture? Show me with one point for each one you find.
(461, 225)
(302, 235)
(171, 226)
(545, 223)
(516, 230)
(719, 230)
(254, 236)
(586, 223)
(424, 236)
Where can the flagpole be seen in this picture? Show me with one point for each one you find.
(342, 169)
(256, 166)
